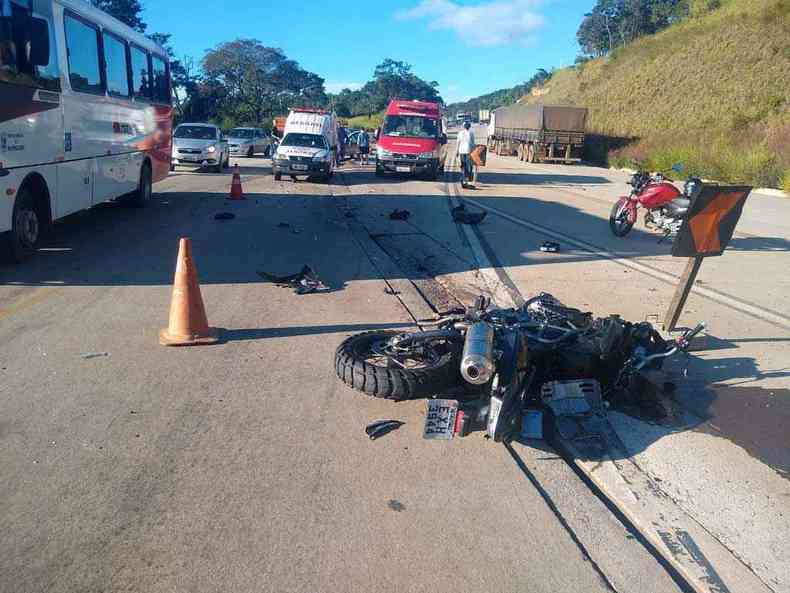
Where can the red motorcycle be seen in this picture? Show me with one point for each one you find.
(666, 205)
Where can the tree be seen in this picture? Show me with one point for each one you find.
(259, 80)
(617, 22)
(126, 11)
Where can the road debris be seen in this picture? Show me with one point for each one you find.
(399, 215)
(550, 247)
(556, 360)
(224, 216)
(379, 428)
(305, 282)
(89, 355)
(396, 505)
(463, 216)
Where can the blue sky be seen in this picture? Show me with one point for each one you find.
(470, 47)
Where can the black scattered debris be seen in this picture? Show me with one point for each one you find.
(399, 214)
(90, 355)
(224, 216)
(379, 428)
(463, 216)
(391, 291)
(305, 282)
(396, 505)
(550, 247)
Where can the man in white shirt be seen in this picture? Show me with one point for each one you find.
(465, 144)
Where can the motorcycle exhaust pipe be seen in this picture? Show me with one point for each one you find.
(477, 359)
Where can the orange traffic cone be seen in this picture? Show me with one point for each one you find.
(188, 325)
(236, 192)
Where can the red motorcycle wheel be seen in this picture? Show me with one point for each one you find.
(622, 217)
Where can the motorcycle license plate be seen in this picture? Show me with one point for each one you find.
(299, 167)
(403, 169)
(440, 419)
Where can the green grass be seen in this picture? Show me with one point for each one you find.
(786, 181)
(712, 92)
(363, 121)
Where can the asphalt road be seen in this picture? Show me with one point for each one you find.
(244, 466)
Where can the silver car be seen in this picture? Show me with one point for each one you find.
(248, 141)
(200, 144)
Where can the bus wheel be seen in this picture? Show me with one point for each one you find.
(26, 227)
(142, 196)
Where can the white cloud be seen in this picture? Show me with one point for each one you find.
(336, 87)
(500, 22)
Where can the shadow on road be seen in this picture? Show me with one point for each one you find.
(540, 179)
(242, 335)
(758, 244)
(113, 245)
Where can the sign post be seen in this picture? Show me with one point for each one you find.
(713, 214)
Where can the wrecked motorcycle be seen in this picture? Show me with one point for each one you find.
(666, 206)
(503, 359)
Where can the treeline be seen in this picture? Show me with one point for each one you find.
(391, 79)
(245, 82)
(500, 97)
(614, 23)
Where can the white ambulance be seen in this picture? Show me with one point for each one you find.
(309, 145)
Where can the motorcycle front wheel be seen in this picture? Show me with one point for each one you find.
(366, 362)
(619, 220)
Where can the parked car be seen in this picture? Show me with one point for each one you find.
(249, 141)
(309, 145)
(199, 144)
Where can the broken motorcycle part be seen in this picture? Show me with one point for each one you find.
(399, 215)
(377, 364)
(463, 216)
(305, 282)
(379, 428)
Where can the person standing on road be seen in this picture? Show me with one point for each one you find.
(364, 146)
(464, 146)
(342, 140)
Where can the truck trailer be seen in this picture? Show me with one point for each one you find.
(537, 133)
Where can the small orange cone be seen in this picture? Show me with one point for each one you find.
(236, 192)
(188, 325)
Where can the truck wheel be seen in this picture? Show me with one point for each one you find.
(379, 172)
(361, 366)
(278, 176)
(26, 227)
(141, 197)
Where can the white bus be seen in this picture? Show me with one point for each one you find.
(85, 115)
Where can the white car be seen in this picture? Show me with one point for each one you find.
(248, 141)
(200, 144)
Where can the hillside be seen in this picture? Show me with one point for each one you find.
(712, 92)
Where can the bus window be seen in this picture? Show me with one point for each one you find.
(15, 68)
(115, 60)
(82, 41)
(161, 83)
(141, 86)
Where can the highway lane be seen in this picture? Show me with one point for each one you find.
(244, 466)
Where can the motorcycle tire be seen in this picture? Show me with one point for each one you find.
(620, 228)
(394, 382)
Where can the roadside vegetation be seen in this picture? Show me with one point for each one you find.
(710, 91)
(368, 122)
